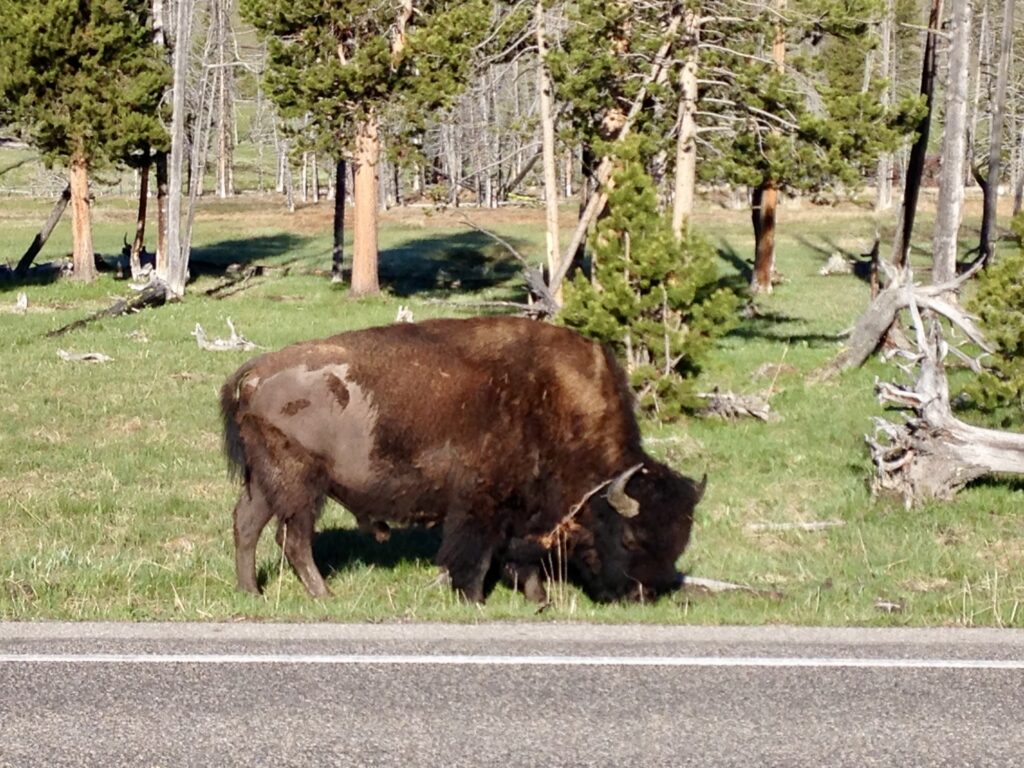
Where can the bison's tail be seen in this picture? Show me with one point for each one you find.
(234, 448)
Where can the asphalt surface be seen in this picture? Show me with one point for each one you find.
(507, 695)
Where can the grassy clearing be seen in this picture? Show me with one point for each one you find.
(116, 504)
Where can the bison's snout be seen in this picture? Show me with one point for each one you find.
(646, 591)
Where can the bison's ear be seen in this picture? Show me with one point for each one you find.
(621, 502)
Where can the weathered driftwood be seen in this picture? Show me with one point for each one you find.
(154, 294)
(900, 293)
(837, 264)
(83, 357)
(934, 454)
(715, 586)
(236, 340)
(810, 526)
(728, 405)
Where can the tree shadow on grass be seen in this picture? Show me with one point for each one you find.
(447, 263)
(744, 269)
(859, 262)
(215, 258)
(768, 327)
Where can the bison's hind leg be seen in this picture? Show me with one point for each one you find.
(295, 536)
(251, 515)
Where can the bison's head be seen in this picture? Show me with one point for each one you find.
(635, 533)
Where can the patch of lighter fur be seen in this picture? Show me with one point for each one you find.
(345, 433)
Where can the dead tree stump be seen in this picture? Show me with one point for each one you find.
(934, 454)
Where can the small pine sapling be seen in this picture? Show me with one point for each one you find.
(654, 299)
(999, 303)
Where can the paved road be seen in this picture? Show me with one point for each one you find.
(507, 695)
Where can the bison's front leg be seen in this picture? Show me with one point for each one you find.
(529, 580)
(465, 553)
(252, 513)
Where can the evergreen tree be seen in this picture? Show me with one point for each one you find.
(654, 298)
(83, 82)
(351, 66)
(816, 123)
(999, 303)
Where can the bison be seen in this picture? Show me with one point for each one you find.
(517, 436)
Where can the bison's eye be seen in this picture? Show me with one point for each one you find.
(629, 539)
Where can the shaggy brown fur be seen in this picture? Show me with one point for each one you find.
(494, 426)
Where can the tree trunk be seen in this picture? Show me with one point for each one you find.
(982, 62)
(764, 245)
(81, 221)
(547, 129)
(995, 144)
(177, 250)
(364, 234)
(1018, 184)
(40, 239)
(951, 179)
(883, 173)
(915, 164)
(135, 259)
(686, 144)
(764, 227)
(313, 178)
(338, 249)
(160, 161)
(224, 85)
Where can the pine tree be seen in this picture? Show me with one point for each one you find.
(351, 66)
(999, 303)
(83, 82)
(654, 298)
(813, 124)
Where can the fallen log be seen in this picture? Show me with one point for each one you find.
(901, 293)
(729, 406)
(154, 294)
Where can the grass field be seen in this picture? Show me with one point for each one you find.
(116, 504)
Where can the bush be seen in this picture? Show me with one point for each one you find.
(999, 303)
(655, 300)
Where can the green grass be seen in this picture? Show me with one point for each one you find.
(116, 504)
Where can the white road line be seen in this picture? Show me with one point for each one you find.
(508, 661)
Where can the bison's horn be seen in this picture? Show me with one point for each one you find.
(624, 504)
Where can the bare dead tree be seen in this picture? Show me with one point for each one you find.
(951, 178)
(915, 164)
(995, 141)
(546, 96)
(177, 250)
(224, 88)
